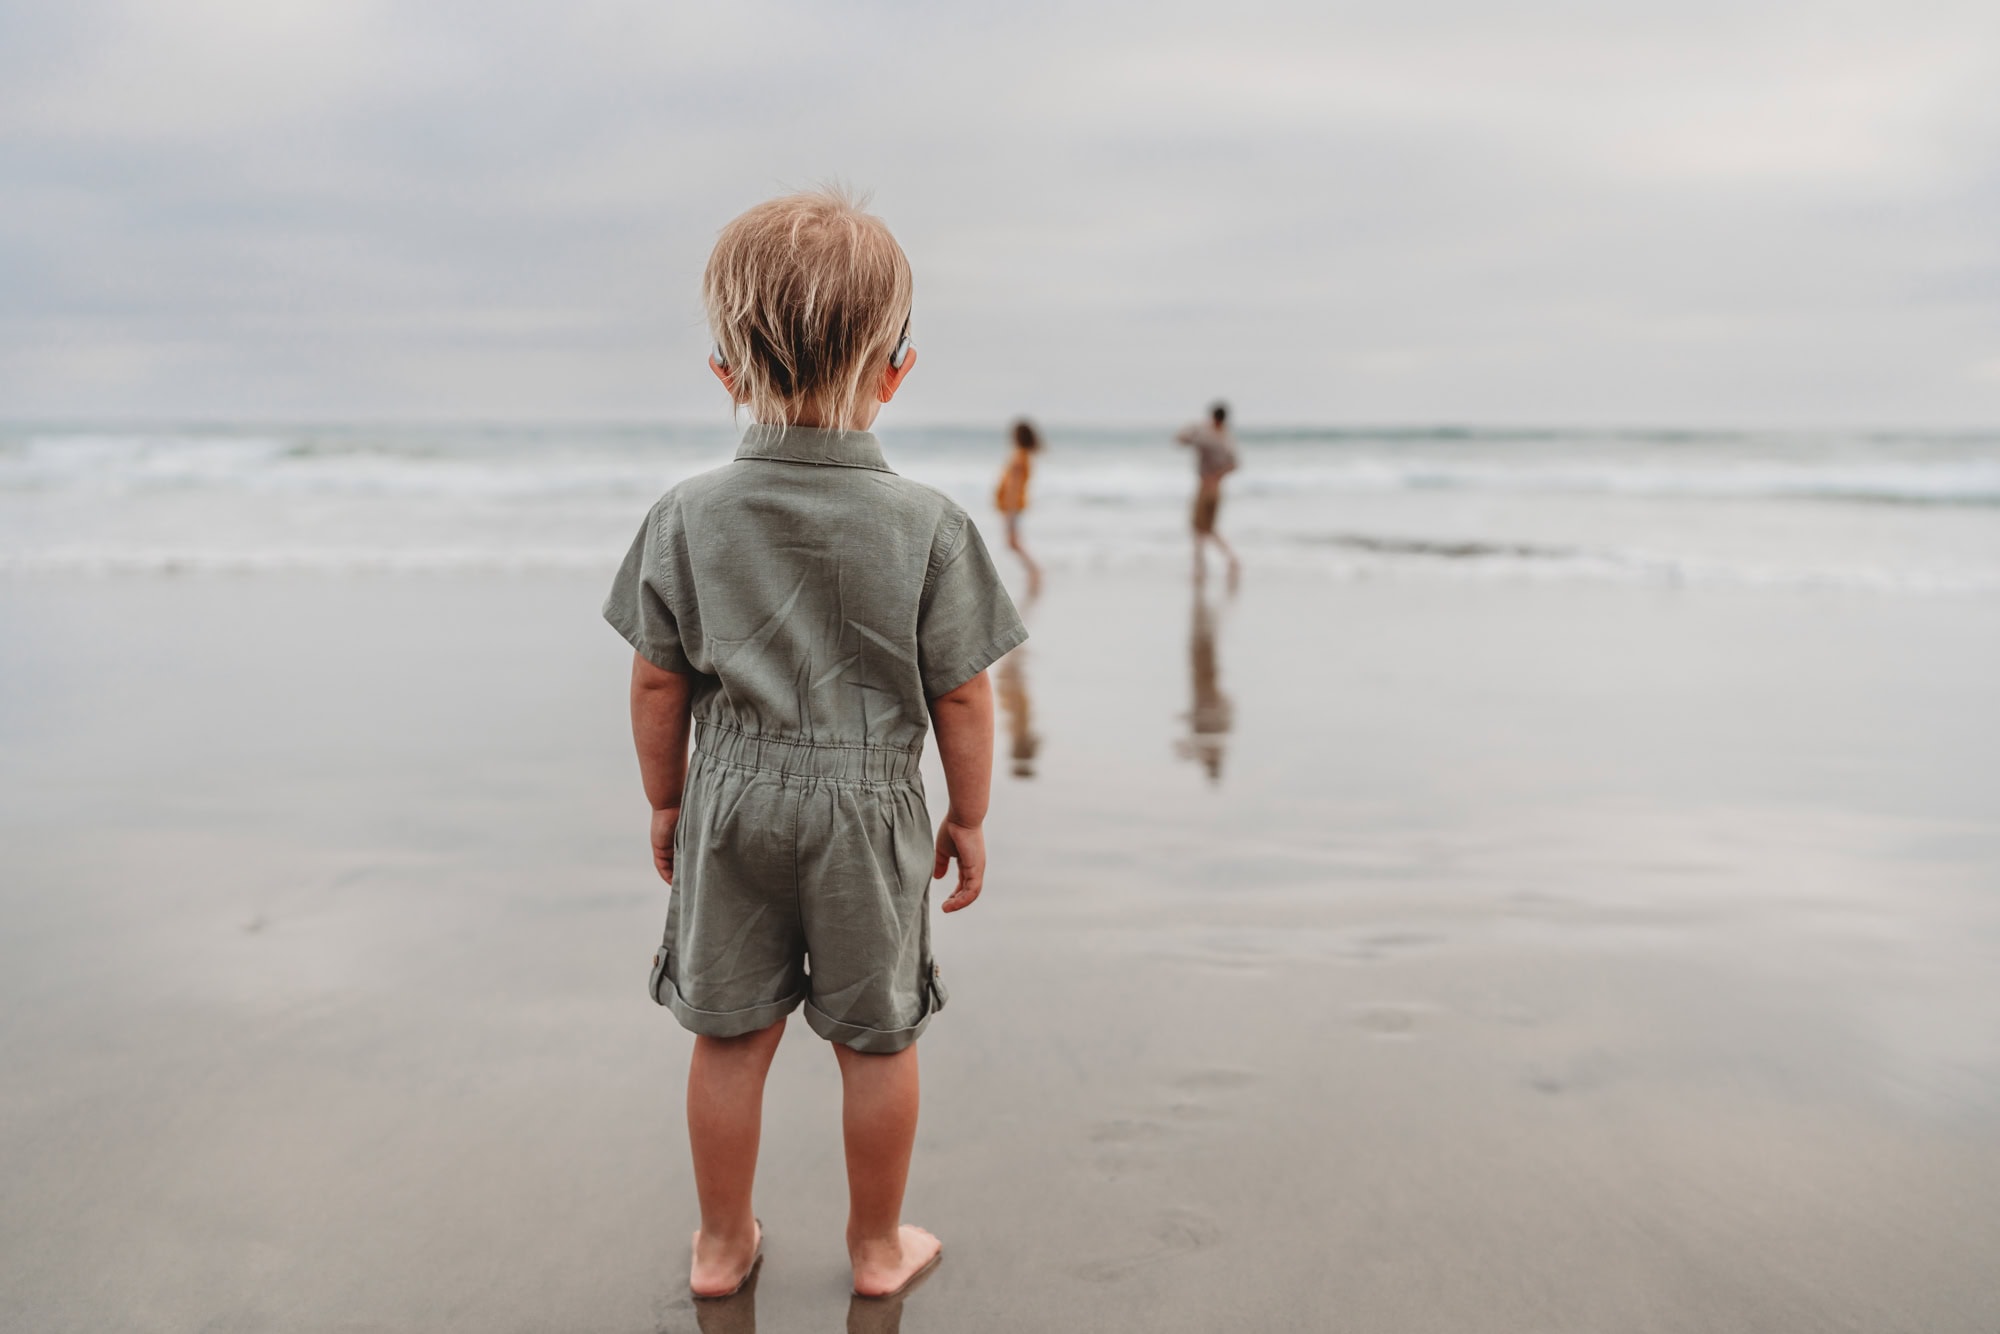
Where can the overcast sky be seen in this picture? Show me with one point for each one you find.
(1691, 212)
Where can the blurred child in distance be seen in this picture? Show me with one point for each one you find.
(1011, 497)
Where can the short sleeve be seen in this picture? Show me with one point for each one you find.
(966, 622)
(638, 606)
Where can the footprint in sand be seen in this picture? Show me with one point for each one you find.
(1186, 1106)
(1375, 946)
(1586, 1073)
(1389, 1020)
(1192, 1105)
(1229, 958)
(1174, 1234)
(1126, 1132)
(1190, 1102)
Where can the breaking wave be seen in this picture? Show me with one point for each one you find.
(1889, 512)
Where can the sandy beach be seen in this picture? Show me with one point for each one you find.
(1556, 890)
(1379, 955)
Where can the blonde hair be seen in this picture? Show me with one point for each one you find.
(807, 296)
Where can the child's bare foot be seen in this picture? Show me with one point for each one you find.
(723, 1264)
(883, 1267)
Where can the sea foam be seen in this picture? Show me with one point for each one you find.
(1908, 513)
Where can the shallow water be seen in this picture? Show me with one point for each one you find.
(1899, 514)
(1387, 954)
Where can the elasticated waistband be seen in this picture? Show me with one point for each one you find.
(814, 759)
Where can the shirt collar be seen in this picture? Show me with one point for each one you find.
(812, 444)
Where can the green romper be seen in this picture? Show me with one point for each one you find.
(818, 602)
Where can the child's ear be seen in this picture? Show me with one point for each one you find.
(727, 376)
(893, 377)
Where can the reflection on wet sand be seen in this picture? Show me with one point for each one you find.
(735, 1314)
(1023, 742)
(865, 1315)
(1209, 715)
(879, 1315)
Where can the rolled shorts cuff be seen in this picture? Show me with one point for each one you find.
(731, 1023)
(875, 1041)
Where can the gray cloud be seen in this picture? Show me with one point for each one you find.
(1700, 213)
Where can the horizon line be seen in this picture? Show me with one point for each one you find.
(1273, 427)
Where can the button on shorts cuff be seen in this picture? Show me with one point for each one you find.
(731, 1023)
(874, 1041)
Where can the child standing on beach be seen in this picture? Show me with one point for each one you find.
(1011, 497)
(807, 615)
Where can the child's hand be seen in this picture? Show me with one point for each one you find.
(663, 841)
(967, 843)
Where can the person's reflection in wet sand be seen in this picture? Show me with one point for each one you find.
(1023, 742)
(735, 1314)
(880, 1315)
(1209, 716)
(865, 1315)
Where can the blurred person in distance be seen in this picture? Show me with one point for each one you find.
(1011, 496)
(1214, 459)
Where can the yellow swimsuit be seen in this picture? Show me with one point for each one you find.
(1012, 495)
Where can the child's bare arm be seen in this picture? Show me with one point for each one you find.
(964, 722)
(660, 728)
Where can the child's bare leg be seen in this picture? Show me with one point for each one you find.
(879, 1123)
(1015, 545)
(725, 1115)
(1229, 555)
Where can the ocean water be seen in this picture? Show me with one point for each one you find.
(1880, 512)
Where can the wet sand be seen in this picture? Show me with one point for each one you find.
(1357, 956)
